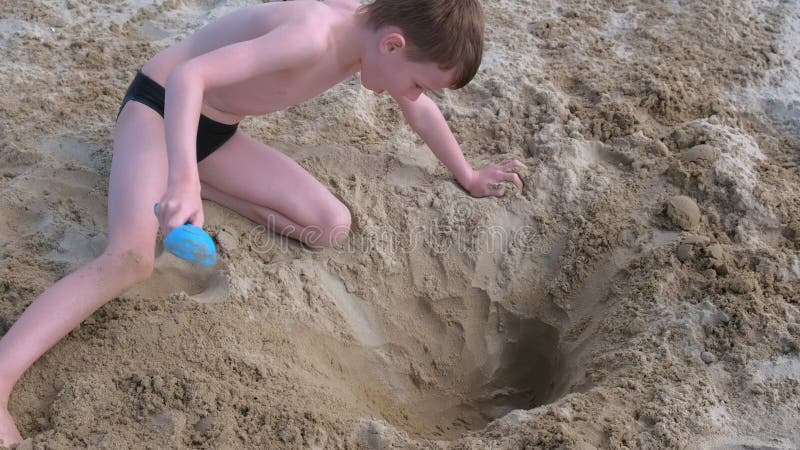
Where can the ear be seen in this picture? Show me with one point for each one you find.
(391, 43)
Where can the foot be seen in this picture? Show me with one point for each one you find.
(8, 431)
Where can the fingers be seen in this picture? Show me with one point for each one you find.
(512, 164)
(175, 220)
(489, 189)
(487, 178)
(512, 177)
(160, 211)
(170, 216)
(197, 219)
(498, 192)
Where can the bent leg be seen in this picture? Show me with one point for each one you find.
(138, 179)
(270, 188)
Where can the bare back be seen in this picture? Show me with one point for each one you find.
(271, 91)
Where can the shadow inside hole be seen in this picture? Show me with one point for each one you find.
(522, 369)
(530, 368)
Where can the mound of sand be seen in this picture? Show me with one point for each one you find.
(578, 313)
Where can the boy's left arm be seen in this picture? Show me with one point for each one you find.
(427, 121)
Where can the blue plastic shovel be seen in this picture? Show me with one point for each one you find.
(190, 243)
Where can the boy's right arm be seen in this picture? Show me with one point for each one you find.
(284, 47)
(426, 119)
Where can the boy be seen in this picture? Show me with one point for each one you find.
(255, 61)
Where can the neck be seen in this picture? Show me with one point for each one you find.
(350, 38)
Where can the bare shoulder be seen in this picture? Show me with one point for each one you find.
(311, 15)
(350, 5)
(261, 19)
(298, 24)
(293, 12)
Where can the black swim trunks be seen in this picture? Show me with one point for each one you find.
(210, 133)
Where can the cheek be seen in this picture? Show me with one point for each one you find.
(395, 82)
(383, 77)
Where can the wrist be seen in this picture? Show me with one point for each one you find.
(183, 181)
(467, 179)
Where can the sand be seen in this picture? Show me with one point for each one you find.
(576, 313)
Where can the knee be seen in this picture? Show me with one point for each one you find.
(135, 264)
(332, 227)
(339, 227)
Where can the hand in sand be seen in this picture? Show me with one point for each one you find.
(8, 431)
(482, 180)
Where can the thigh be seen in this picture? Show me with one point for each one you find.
(138, 177)
(256, 173)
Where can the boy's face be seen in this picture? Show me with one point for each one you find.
(389, 69)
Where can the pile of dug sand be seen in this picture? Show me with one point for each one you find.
(641, 291)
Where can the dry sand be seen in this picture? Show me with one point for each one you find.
(597, 308)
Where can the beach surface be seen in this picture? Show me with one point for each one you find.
(641, 291)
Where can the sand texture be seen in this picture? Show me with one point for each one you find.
(640, 292)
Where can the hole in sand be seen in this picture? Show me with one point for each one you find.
(492, 366)
(441, 368)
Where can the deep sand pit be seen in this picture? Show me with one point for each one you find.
(590, 310)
